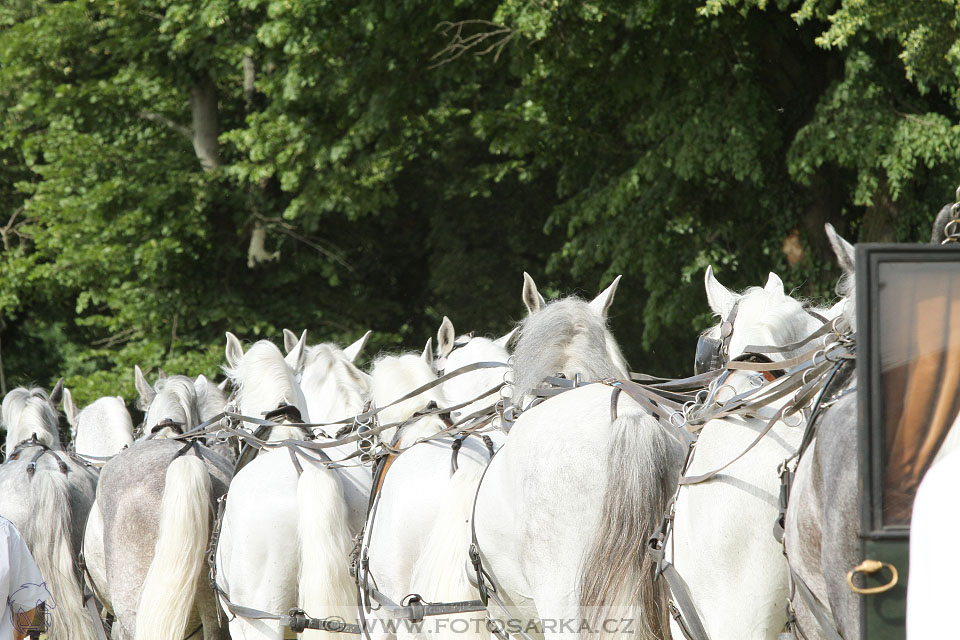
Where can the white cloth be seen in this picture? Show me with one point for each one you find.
(933, 591)
(21, 586)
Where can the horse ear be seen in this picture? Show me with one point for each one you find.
(223, 384)
(720, 299)
(289, 340)
(354, 349)
(846, 254)
(70, 410)
(234, 351)
(427, 355)
(200, 384)
(57, 393)
(531, 296)
(161, 374)
(601, 304)
(294, 357)
(774, 283)
(146, 392)
(504, 340)
(445, 337)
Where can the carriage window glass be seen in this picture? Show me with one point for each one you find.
(918, 320)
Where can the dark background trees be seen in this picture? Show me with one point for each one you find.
(171, 169)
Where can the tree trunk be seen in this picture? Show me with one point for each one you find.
(206, 127)
(880, 219)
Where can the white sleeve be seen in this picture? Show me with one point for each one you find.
(25, 587)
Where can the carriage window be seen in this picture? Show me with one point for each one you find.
(918, 329)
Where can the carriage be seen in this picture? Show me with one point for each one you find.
(908, 367)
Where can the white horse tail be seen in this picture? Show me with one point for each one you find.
(166, 601)
(49, 538)
(325, 586)
(440, 573)
(616, 580)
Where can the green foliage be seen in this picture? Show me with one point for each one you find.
(399, 181)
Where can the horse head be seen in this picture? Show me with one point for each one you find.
(394, 377)
(264, 380)
(102, 428)
(567, 336)
(170, 406)
(759, 316)
(31, 413)
(456, 353)
(333, 386)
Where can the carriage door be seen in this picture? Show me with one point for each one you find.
(908, 371)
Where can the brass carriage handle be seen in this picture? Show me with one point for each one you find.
(872, 566)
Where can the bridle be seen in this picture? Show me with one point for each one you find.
(712, 353)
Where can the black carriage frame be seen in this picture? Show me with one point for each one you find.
(882, 616)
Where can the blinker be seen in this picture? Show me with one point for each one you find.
(709, 355)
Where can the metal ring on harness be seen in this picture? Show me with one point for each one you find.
(796, 412)
(682, 419)
(716, 394)
(871, 567)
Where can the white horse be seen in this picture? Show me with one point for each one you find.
(722, 541)
(564, 512)
(415, 536)
(285, 538)
(334, 389)
(47, 495)
(102, 429)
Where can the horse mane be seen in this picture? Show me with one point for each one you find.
(176, 395)
(263, 379)
(568, 337)
(32, 407)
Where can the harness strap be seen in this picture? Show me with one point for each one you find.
(820, 612)
(827, 327)
(686, 611)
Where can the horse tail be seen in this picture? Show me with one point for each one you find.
(617, 579)
(325, 586)
(440, 572)
(50, 542)
(170, 586)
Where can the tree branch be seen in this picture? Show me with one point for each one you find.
(167, 122)
(459, 45)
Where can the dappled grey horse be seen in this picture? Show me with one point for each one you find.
(823, 519)
(47, 494)
(157, 500)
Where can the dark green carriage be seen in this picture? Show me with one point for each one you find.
(908, 370)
